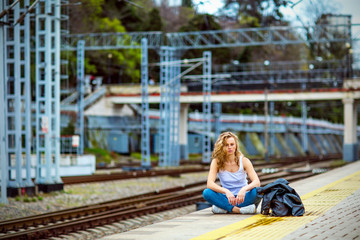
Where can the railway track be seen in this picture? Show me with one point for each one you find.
(131, 174)
(177, 172)
(81, 218)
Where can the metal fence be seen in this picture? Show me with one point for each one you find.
(68, 144)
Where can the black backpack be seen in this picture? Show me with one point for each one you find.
(279, 199)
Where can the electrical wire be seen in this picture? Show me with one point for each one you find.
(132, 3)
(6, 11)
(22, 17)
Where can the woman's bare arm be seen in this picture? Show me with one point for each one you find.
(248, 167)
(215, 187)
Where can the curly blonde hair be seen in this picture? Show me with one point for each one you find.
(219, 152)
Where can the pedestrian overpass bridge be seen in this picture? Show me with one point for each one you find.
(349, 95)
(245, 96)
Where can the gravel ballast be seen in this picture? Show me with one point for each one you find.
(91, 193)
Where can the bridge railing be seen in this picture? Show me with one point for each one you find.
(280, 124)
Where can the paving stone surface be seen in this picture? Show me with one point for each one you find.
(340, 222)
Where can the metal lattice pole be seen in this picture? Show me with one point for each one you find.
(170, 93)
(80, 90)
(47, 51)
(145, 127)
(3, 153)
(207, 107)
(271, 128)
(266, 134)
(17, 97)
(169, 107)
(56, 35)
(177, 88)
(174, 85)
(65, 31)
(217, 115)
(304, 125)
(27, 114)
(164, 108)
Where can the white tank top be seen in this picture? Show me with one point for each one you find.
(233, 181)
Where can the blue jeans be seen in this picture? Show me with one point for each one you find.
(221, 201)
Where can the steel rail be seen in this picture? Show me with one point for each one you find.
(66, 214)
(103, 218)
(129, 174)
(81, 218)
(116, 214)
(176, 172)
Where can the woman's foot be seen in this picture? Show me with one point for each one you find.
(217, 210)
(248, 209)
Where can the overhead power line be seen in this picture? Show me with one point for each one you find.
(132, 3)
(6, 11)
(22, 17)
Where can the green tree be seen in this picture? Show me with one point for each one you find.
(104, 16)
(201, 22)
(332, 50)
(154, 22)
(69, 129)
(205, 22)
(84, 17)
(257, 12)
(186, 3)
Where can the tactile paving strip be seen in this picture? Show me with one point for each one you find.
(265, 227)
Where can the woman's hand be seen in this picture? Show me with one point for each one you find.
(241, 196)
(230, 197)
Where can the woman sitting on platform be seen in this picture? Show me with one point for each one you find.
(232, 167)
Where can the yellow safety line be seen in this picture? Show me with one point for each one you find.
(316, 204)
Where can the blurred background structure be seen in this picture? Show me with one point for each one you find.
(81, 79)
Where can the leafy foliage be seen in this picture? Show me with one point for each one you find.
(186, 3)
(204, 22)
(201, 22)
(330, 50)
(69, 130)
(101, 155)
(257, 12)
(154, 22)
(104, 16)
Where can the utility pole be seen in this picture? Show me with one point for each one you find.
(266, 109)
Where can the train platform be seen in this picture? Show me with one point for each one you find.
(332, 211)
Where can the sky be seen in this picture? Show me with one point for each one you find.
(351, 7)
